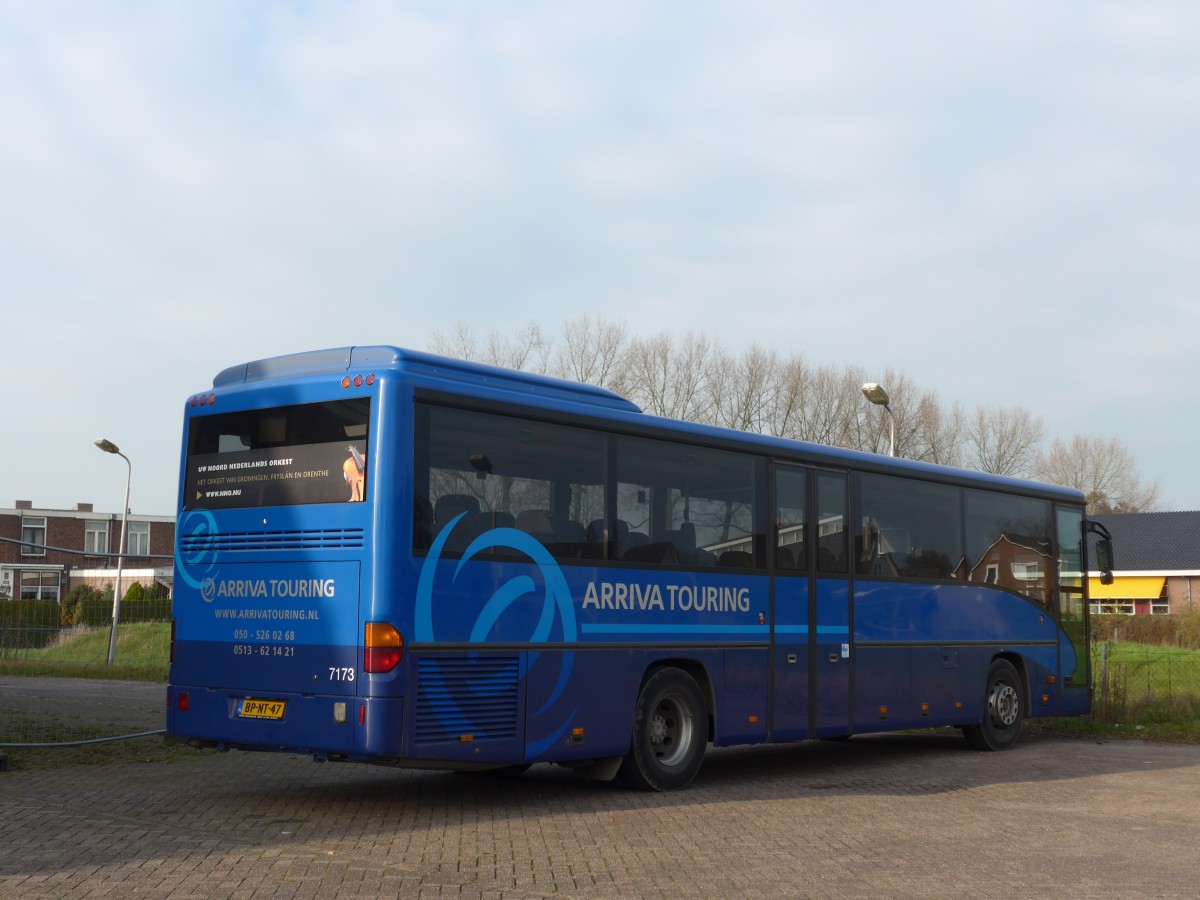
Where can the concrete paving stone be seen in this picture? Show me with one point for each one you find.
(897, 816)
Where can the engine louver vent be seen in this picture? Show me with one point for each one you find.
(457, 697)
(234, 541)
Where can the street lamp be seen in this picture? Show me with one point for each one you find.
(110, 447)
(877, 395)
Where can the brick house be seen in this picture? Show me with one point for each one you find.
(1156, 564)
(44, 553)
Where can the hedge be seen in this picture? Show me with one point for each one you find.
(99, 612)
(28, 623)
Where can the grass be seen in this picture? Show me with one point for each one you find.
(142, 654)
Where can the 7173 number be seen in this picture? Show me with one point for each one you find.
(341, 673)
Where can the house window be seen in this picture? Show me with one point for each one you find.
(1160, 607)
(95, 538)
(39, 585)
(139, 539)
(1026, 571)
(1117, 607)
(33, 536)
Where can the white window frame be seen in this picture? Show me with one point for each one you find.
(95, 537)
(1114, 607)
(42, 590)
(137, 539)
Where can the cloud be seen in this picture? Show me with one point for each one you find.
(981, 197)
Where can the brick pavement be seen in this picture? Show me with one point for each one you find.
(891, 816)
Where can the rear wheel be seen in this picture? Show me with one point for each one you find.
(1003, 709)
(670, 733)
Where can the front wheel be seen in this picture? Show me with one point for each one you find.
(670, 733)
(1003, 710)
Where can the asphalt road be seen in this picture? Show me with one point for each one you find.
(887, 816)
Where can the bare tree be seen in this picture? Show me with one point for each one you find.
(594, 352)
(668, 380)
(1004, 440)
(461, 343)
(821, 404)
(742, 390)
(691, 378)
(938, 435)
(527, 351)
(1103, 468)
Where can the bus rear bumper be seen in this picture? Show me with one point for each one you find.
(238, 719)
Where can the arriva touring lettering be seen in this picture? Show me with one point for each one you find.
(621, 595)
(281, 588)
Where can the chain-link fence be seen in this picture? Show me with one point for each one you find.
(1133, 683)
(1136, 683)
(37, 651)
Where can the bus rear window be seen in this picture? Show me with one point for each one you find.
(282, 456)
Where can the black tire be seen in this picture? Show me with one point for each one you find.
(670, 734)
(1003, 709)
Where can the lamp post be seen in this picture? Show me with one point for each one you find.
(877, 395)
(109, 447)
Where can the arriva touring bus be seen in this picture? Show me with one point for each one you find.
(396, 558)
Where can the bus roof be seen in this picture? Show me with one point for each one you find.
(514, 386)
(444, 368)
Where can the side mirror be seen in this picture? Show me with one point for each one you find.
(1104, 551)
(1104, 560)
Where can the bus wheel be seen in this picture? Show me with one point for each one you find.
(670, 733)
(1003, 710)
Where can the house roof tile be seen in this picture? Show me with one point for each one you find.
(1152, 541)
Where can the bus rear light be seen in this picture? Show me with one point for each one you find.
(383, 646)
(358, 380)
(339, 712)
(346, 381)
(184, 701)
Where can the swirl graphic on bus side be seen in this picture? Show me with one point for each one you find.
(197, 568)
(556, 605)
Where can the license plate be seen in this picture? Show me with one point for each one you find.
(261, 709)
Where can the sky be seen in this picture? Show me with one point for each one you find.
(999, 200)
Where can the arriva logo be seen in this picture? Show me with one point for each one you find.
(198, 566)
(556, 606)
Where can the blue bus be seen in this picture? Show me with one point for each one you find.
(396, 558)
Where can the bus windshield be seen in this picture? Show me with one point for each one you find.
(282, 456)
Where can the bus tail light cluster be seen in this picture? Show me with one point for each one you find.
(383, 646)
